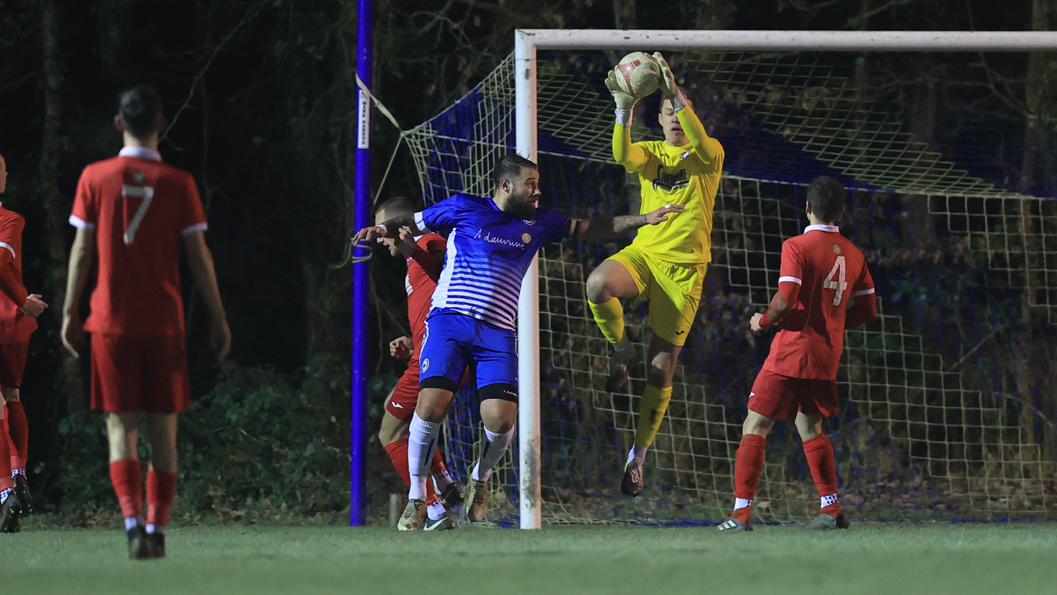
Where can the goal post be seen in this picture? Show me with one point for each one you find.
(527, 42)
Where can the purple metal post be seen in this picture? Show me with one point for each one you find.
(360, 278)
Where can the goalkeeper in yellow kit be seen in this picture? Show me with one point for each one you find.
(666, 263)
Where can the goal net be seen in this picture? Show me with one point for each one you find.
(947, 402)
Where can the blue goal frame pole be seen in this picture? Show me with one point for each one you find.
(360, 270)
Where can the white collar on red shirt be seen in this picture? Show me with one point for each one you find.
(140, 153)
(830, 228)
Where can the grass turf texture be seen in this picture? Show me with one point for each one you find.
(872, 558)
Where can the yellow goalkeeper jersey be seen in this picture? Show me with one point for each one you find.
(687, 175)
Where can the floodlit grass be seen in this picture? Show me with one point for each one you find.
(890, 558)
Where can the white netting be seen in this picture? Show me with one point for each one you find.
(947, 403)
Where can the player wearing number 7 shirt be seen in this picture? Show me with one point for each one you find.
(824, 288)
(134, 214)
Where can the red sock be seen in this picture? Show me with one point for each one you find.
(819, 453)
(161, 485)
(127, 477)
(18, 429)
(748, 465)
(5, 458)
(398, 455)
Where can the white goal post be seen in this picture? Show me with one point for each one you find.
(528, 41)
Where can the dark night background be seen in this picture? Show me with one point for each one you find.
(261, 98)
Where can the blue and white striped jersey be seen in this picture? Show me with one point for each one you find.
(488, 252)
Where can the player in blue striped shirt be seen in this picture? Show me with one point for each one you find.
(491, 243)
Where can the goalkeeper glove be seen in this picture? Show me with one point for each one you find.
(625, 102)
(669, 89)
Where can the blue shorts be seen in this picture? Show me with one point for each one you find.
(454, 341)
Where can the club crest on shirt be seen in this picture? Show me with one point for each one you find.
(425, 365)
(670, 181)
(836, 249)
(526, 238)
(138, 177)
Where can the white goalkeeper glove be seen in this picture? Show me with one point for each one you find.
(669, 88)
(625, 102)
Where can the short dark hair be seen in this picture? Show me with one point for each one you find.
(140, 110)
(827, 197)
(396, 206)
(689, 95)
(509, 166)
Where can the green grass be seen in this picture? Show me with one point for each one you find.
(932, 559)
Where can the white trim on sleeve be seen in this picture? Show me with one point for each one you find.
(863, 292)
(419, 223)
(194, 228)
(80, 223)
(790, 280)
(9, 249)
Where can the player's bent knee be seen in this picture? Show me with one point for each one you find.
(756, 423)
(597, 290)
(9, 394)
(392, 429)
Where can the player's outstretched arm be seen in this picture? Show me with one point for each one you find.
(200, 261)
(631, 156)
(601, 228)
(707, 147)
(388, 229)
(81, 256)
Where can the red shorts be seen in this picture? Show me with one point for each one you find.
(780, 397)
(139, 373)
(404, 399)
(402, 403)
(12, 363)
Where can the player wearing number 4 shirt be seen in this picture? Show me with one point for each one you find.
(134, 213)
(824, 288)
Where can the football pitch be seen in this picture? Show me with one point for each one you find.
(869, 558)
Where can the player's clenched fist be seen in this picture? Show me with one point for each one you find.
(401, 347)
(661, 214)
(754, 324)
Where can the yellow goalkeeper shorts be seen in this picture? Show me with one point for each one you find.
(673, 290)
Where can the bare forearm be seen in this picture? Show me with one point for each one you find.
(601, 228)
(80, 264)
(777, 310)
(392, 226)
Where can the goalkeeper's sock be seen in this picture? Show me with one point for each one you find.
(439, 472)
(651, 412)
(161, 487)
(610, 318)
(492, 451)
(421, 442)
(18, 430)
(127, 478)
(819, 452)
(748, 465)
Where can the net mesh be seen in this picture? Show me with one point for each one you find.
(947, 402)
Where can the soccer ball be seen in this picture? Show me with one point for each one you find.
(638, 74)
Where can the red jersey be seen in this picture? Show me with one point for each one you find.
(140, 209)
(15, 327)
(829, 271)
(423, 270)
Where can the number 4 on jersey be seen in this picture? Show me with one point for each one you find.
(841, 283)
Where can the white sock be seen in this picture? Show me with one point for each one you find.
(152, 529)
(131, 522)
(829, 499)
(421, 442)
(442, 480)
(492, 452)
(637, 453)
(5, 493)
(435, 511)
(740, 503)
